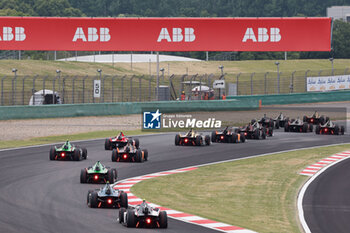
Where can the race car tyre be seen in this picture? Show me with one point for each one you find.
(305, 127)
(130, 218)
(84, 153)
(207, 140)
(121, 214)
(93, 200)
(114, 155)
(110, 176)
(242, 137)
(198, 140)
(83, 176)
(108, 144)
(124, 200)
(277, 125)
(318, 129)
(322, 120)
(88, 196)
(213, 136)
(270, 131)
(304, 119)
(286, 127)
(139, 156)
(52, 153)
(163, 219)
(234, 138)
(76, 155)
(145, 154)
(342, 130)
(256, 134)
(115, 173)
(263, 133)
(336, 130)
(137, 143)
(311, 127)
(270, 123)
(177, 139)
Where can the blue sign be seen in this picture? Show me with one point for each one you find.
(152, 120)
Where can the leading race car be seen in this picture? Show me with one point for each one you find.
(192, 138)
(129, 153)
(316, 119)
(68, 151)
(143, 215)
(298, 125)
(227, 135)
(255, 131)
(107, 197)
(330, 128)
(98, 173)
(120, 141)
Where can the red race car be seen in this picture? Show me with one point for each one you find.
(120, 141)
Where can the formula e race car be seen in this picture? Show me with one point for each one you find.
(107, 197)
(298, 125)
(129, 153)
(316, 119)
(143, 215)
(255, 131)
(330, 128)
(265, 121)
(227, 135)
(192, 138)
(68, 152)
(120, 141)
(98, 173)
(280, 120)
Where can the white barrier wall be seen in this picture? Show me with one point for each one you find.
(328, 83)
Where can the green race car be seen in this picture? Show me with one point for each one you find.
(98, 173)
(68, 151)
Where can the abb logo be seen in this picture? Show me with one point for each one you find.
(8, 34)
(263, 35)
(177, 35)
(92, 34)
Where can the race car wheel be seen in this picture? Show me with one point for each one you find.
(263, 133)
(311, 127)
(130, 218)
(77, 155)
(52, 153)
(83, 176)
(163, 219)
(234, 138)
(270, 131)
(318, 129)
(198, 140)
(124, 200)
(242, 137)
(277, 124)
(213, 136)
(304, 119)
(177, 139)
(207, 140)
(286, 127)
(88, 196)
(256, 134)
(322, 120)
(139, 156)
(84, 153)
(121, 214)
(342, 130)
(137, 143)
(108, 144)
(305, 127)
(114, 155)
(145, 154)
(93, 200)
(115, 173)
(270, 124)
(110, 176)
(336, 130)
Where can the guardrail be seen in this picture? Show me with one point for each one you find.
(122, 108)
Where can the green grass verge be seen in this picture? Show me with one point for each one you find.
(61, 138)
(258, 193)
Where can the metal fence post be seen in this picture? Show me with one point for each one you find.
(25, 77)
(2, 90)
(44, 80)
(33, 89)
(84, 87)
(306, 80)
(150, 88)
(319, 73)
(123, 87)
(251, 83)
(265, 82)
(132, 77)
(63, 87)
(73, 89)
(115, 76)
(237, 81)
(140, 77)
(291, 86)
(103, 89)
(14, 89)
(93, 87)
(53, 90)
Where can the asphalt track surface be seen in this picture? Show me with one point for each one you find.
(38, 195)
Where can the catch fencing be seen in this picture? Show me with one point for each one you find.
(20, 90)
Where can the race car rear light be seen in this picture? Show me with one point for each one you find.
(325, 129)
(312, 120)
(96, 177)
(63, 154)
(125, 156)
(109, 201)
(148, 220)
(186, 140)
(222, 137)
(245, 134)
